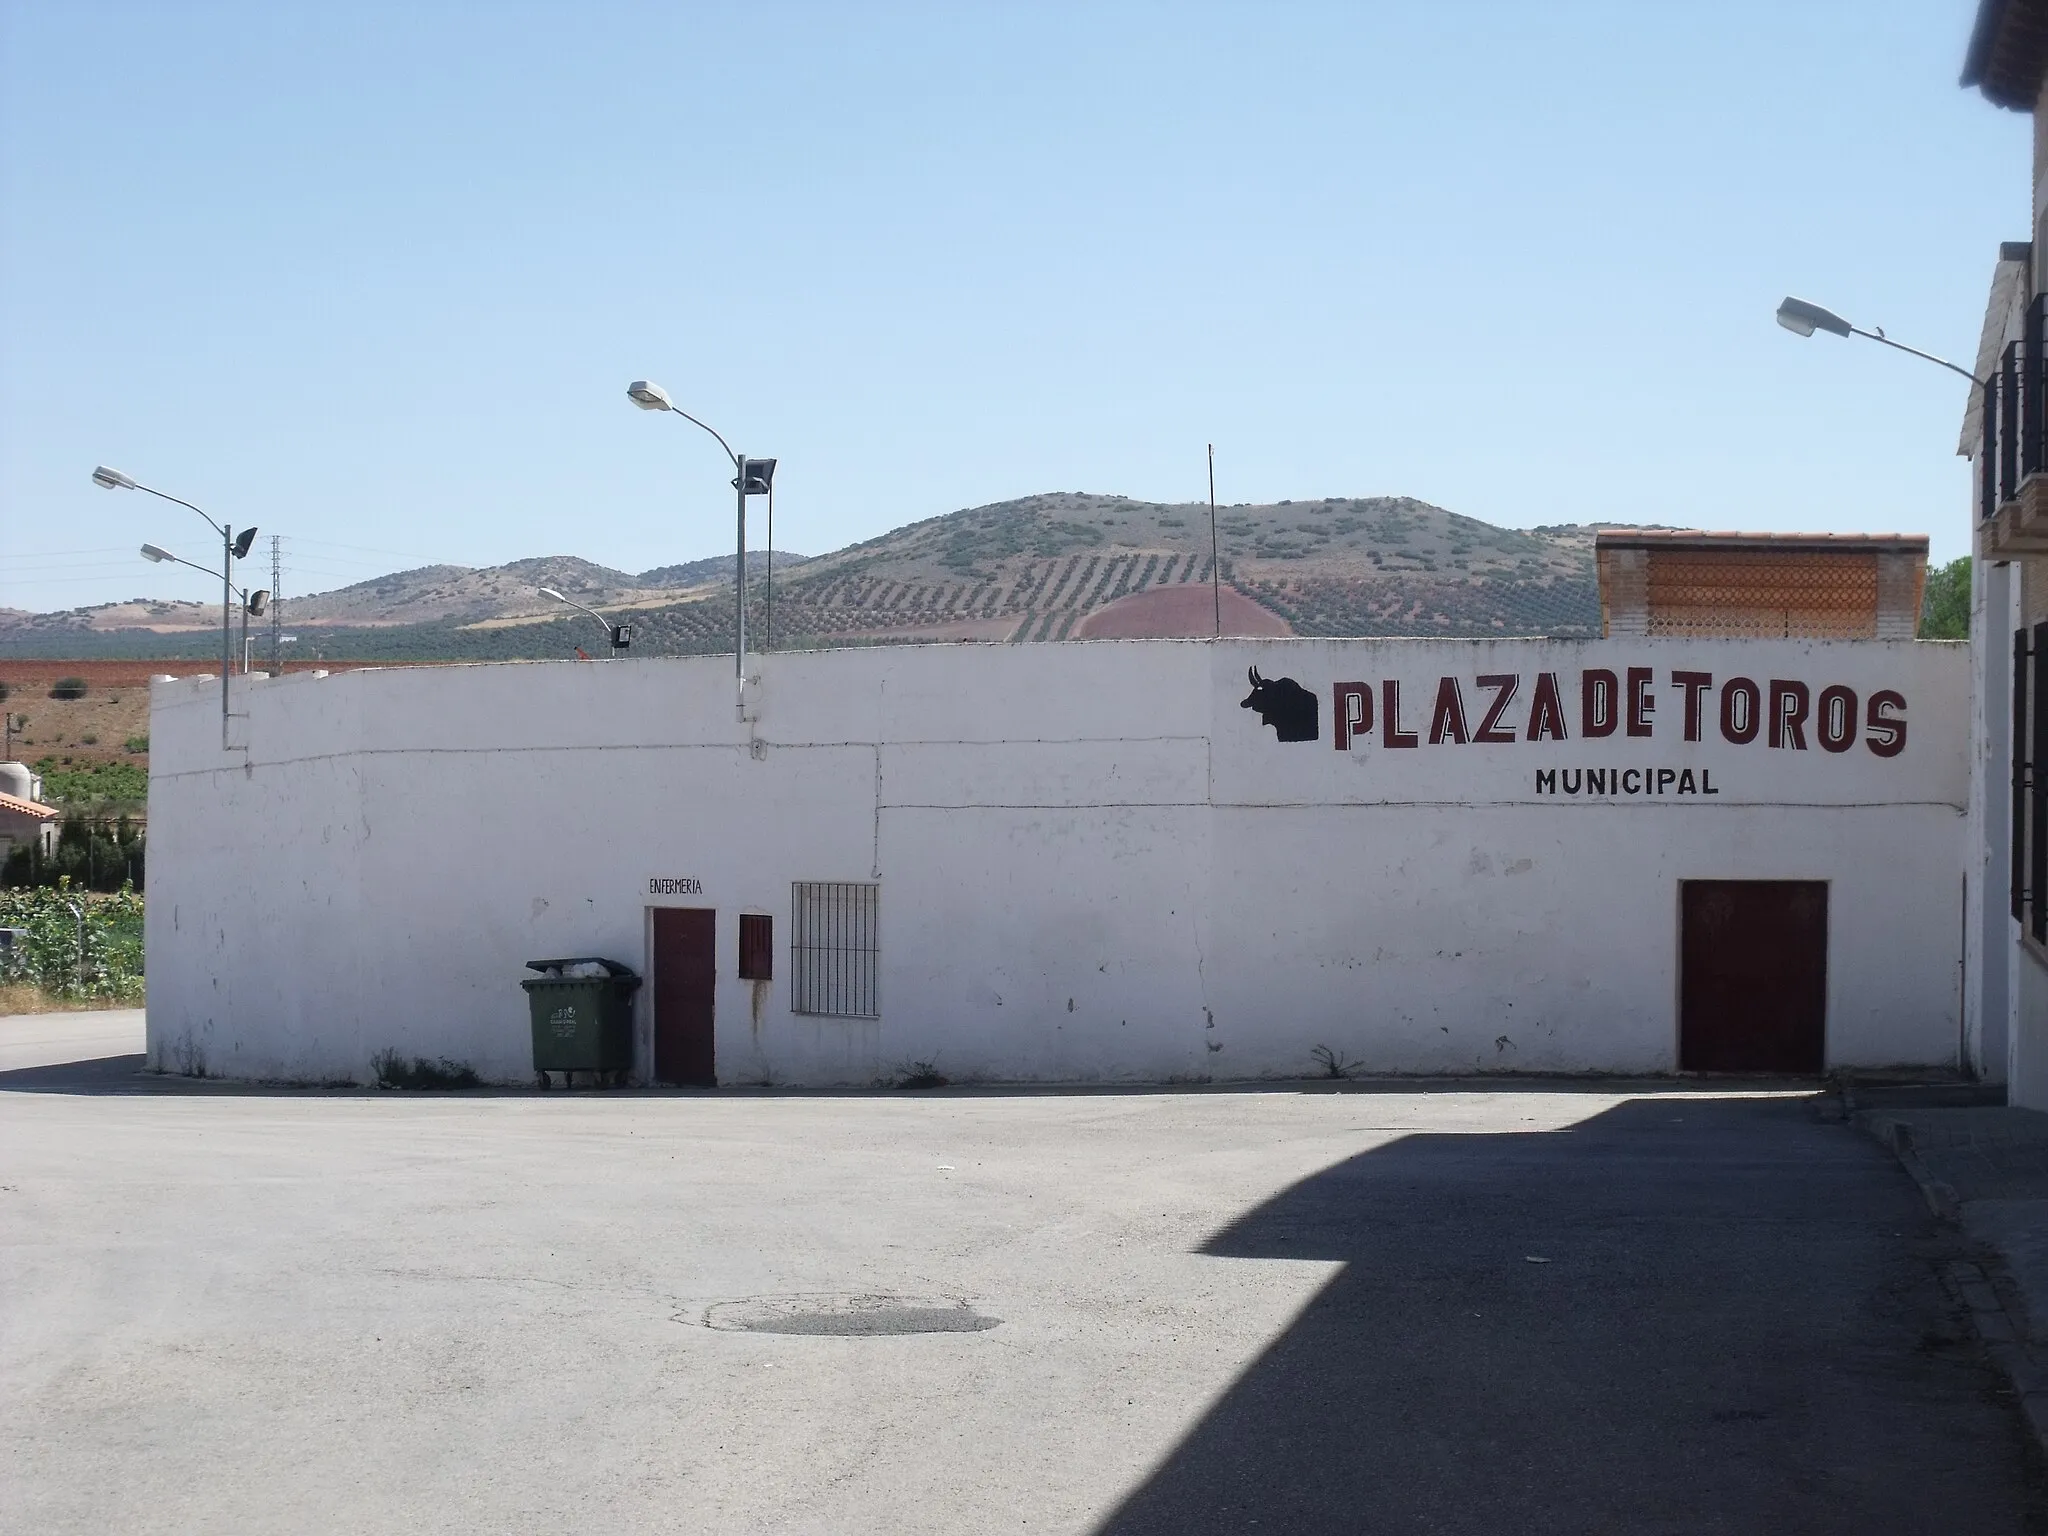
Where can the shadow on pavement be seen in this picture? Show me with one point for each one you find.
(98, 1074)
(1708, 1315)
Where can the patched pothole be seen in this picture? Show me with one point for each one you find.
(846, 1316)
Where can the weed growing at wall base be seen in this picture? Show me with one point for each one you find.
(396, 1071)
(920, 1074)
(1332, 1063)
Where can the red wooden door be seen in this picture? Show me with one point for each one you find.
(685, 984)
(1753, 977)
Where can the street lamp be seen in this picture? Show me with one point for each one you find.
(751, 477)
(619, 636)
(232, 549)
(253, 603)
(1803, 319)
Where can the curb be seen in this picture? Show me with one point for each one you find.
(1998, 1325)
(1898, 1137)
(2004, 1340)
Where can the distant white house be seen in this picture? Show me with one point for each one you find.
(1096, 861)
(24, 819)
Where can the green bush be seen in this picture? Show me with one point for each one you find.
(76, 945)
(68, 688)
(136, 744)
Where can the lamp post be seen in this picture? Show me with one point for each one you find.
(253, 603)
(618, 636)
(232, 549)
(750, 477)
(1803, 319)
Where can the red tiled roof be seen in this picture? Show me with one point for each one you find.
(29, 808)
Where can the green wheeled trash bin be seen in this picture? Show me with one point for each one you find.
(582, 1017)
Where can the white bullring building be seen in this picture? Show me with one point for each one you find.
(1152, 860)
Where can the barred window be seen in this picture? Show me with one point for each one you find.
(834, 949)
(2030, 780)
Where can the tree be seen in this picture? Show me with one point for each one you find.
(1945, 609)
(91, 854)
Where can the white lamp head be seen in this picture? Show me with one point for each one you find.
(152, 552)
(111, 479)
(551, 592)
(648, 395)
(1803, 319)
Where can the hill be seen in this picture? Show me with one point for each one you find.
(1036, 568)
(1047, 567)
(429, 594)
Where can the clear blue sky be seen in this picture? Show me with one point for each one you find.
(376, 277)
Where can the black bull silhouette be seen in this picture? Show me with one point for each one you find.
(1284, 705)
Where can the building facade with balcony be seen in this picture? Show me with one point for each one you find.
(2005, 435)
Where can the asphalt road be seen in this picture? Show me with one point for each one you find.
(1283, 1311)
(45, 1039)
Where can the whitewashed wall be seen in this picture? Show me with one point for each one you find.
(1094, 863)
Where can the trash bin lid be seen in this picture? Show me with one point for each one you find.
(612, 967)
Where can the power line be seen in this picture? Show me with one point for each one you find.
(368, 549)
(276, 604)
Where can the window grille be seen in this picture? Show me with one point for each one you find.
(834, 950)
(2030, 780)
(757, 946)
(2009, 424)
(2014, 414)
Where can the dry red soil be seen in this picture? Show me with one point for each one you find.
(1179, 613)
(115, 708)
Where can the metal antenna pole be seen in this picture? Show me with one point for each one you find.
(1215, 565)
(227, 629)
(739, 587)
(276, 605)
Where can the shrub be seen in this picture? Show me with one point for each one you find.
(91, 854)
(68, 688)
(395, 1071)
(136, 744)
(93, 786)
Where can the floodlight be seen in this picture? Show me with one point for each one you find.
(242, 542)
(1803, 319)
(152, 552)
(760, 475)
(551, 592)
(258, 601)
(648, 395)
(111, 479)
